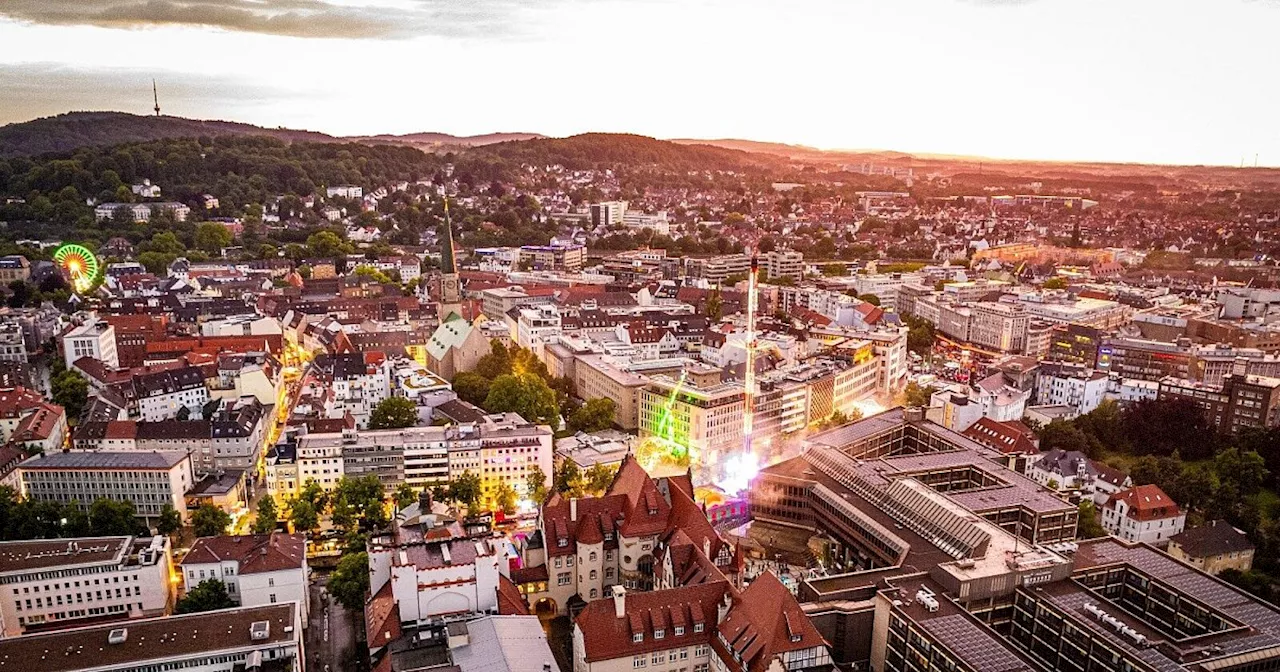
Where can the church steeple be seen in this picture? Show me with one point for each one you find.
(450, 301)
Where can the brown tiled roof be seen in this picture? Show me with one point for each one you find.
(767, 621)
(382, 618)
(510, 601)
(529, 574)
(607, 637)
(646, 510)
(38, 425)
(1000, 436)
(17, 400)
(255, 552)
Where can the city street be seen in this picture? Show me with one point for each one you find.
(331, 636)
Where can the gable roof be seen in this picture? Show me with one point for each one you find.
(254, 552)
(606, 637)
(1145, 502)
(765, 622)
(1000, 436)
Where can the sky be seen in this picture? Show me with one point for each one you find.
(1156, 81)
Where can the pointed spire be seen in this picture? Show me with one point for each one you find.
(448, 260)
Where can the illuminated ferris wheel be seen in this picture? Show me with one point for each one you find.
(80, 265)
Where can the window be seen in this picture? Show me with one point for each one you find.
(592, 557)
(637, 637)
(697, 627)
(701, 651)
(563, 578)
(659, 658)
(679, 630)
(273, 598)
(638, 661)
(659, 633)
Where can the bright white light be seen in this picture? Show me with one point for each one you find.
(739, 470)
(525, 506)
(868, 407)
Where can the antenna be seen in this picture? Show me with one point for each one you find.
(155, 95)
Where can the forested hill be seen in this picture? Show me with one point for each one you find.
(70, 131)
(603, 150)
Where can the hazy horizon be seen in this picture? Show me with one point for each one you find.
(1178, 82)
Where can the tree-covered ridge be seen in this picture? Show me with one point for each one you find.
(604, 150)
(73, 130)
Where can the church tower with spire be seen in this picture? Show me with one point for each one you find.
(450, 300)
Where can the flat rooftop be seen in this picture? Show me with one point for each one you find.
(105, 460)
(27, 556)
(147, 640)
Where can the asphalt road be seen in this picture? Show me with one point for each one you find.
(331, 636)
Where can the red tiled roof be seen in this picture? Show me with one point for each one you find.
(510, 601)
(255, 552)
(1000, 436)
(16, 401)
(1146, 502)
(607, 637)
(382, 619)
(39, 425)
(647, 510)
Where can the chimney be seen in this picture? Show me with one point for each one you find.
(424, 501)
(1240, 367)
(723, 609)
(573, 508)
(619, 602)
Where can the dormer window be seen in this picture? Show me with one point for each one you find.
(638, 637)
(795, 638)
(679, 630)
(659, 633)
(697, 627)
(562, 542)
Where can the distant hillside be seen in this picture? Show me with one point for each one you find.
(70, 131)
(798, 152)
(591, 150)
(444, 139)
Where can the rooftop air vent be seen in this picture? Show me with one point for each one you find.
(259, 630)
(118, 636)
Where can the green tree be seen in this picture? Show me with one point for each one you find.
(108, 517)
(208, 595)
(496, 363)
(504, 498)
(568, 478)
(1065, 435)
(526, 395)
(598, 478)
(869, 298)
(471, 387)
(315, 496)
(405, 495)
(212, 237)
(1246, 469)
(303, 515)
(917, 395)
(715, 305)
(920, 335)
(1055, 283)
(210, 521)
(466, 489)
(268, 517)
(593, 416)
(71, 391)
(325, 244)
(349, 582)
(170, 520)
(1088, 526)
(535, 484)
(394, 413)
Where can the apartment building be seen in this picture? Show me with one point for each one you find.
(499, 448)
(638, 266)
(1070, 385)
(173, 394)
(714, 270)
(1213, 547)
(257, 569)
(150, 480)
(595, 377)
(537, 326)
(784, 264)
(567, 258)
(63, 582)
(141, 212)
(608, 213)
(1241, 401)
(94, 339)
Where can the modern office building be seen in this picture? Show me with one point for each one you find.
(784, 264)
(59, 583)
(1241, 401)
(149, 480)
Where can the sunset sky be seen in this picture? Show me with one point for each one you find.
(1169, 81)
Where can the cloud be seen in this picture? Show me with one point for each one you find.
(291, 18)
(42, 89)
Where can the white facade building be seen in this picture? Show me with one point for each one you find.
(1143, 514)
(95, 339)
(149, 480)
(257, 569)
(62, 581)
